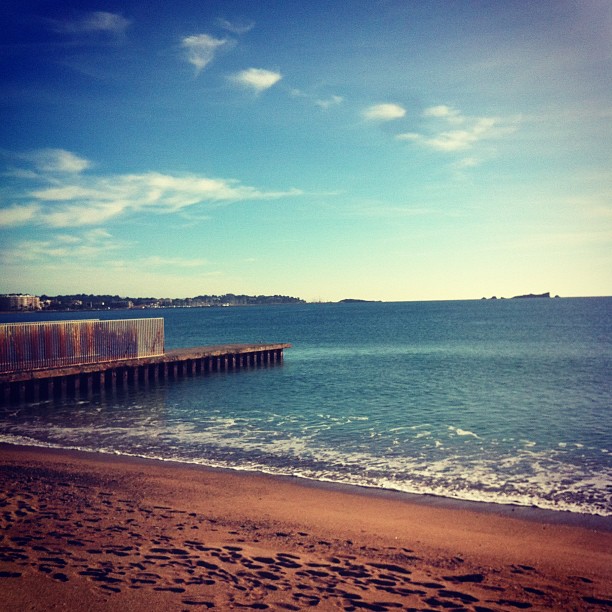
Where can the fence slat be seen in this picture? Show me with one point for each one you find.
(52, 344)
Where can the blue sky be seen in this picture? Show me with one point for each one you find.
(392, 150)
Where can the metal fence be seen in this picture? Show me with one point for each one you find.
(53, 344)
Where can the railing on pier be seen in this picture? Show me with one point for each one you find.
(53, 344)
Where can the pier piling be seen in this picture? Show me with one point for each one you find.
(172, 365)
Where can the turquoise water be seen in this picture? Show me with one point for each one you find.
(495, 401)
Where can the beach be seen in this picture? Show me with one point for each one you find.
(103, 532)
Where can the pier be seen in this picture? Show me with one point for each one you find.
(45, 360)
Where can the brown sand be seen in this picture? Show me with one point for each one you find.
(83, 532)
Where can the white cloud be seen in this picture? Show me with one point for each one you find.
(96, 21)
(384, 112)
(485, 128)
(473, 130)
(257, 79)
(458, 140)
(75, 200)
(201, 49)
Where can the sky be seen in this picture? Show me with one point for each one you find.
(383, 150)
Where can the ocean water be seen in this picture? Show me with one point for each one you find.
(504, 401)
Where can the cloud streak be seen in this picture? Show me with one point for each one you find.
(236, 27)
(92, 22)
(76, 199)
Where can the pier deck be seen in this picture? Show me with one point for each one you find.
(47, 382)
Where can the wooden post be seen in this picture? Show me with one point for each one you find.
(63, 385)
(89, 383)
(35, 388)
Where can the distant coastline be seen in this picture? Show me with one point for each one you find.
(82, 302)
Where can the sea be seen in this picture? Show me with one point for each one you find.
(496, 401)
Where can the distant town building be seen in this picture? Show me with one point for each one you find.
(19, 301)
(123, 304)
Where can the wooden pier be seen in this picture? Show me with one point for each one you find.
(37, 384)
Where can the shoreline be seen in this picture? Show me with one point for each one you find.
(102, 532)
(531, 513)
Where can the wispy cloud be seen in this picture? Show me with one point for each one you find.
(562, 239)
(56, 160)
(78, 199)
(236, 27)
(156, 261)
(324, 103)
(466, 131)
(94, 252)
(89, 244)
(444, 112)
(200, 49)
(92, 22)
(257, 79)
(329, 102)
(466, 162)
(381, 210)
(18, 214)
(384, 112)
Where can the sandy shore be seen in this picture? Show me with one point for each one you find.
(85, 532)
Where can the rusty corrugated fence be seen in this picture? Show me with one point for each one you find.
(52, 344)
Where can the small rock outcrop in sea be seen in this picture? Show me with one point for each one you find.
(354, 301)
(532, 295)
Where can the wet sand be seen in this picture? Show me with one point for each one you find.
(82, 531)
